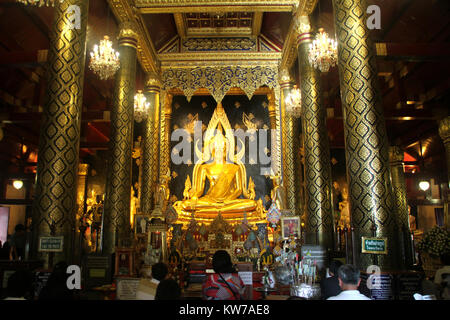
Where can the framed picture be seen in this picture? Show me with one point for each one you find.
(124, 262)
(290, 226)
(141, 222)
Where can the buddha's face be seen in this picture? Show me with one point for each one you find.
(219, 148)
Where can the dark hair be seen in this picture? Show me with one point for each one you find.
(19, 284)
(349, 274)
(222, 262)
(168, 290)
(19, 227)
(334, 266)
(159, 271)
(296, 298)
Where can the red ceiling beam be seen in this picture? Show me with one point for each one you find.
(413, 51)
(20, 58)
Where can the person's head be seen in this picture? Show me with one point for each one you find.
(168, 289)
(19, 284)
(349, 277)
(20, 228)
(334, 267)
(295, 298)
(60, 271)
(222, 262)
(445, 258)
(159, 271)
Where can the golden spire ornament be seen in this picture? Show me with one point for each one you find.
(323, 52)
(104, 59)
(141, 106)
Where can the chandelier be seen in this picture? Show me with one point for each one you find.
(323, 52)
(141, 106)
(293, 102)
(104, 59)
(40, 3)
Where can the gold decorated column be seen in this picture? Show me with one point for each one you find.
(117, 228)
(444, 132)
(401, 206)
(289, 177)
(165, 132)
(319, 218)
(366, 140)
(55, 201)
(150, 154)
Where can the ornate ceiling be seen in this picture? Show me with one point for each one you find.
(176, 32)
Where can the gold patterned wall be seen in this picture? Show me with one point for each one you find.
(219, 80)
(55, 201)
(366, 140)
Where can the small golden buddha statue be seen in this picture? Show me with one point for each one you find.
(227, 181)
(278, 194)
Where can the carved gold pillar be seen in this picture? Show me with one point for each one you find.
(366, 141)
(55, 202)
(288, 145)
(319, 218)
(401, 205)
(150, 154)
(444, 132)
(118, 184)
(165, 132)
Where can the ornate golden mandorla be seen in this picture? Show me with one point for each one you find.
(227, 180)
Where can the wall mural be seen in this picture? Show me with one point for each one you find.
(242, 113)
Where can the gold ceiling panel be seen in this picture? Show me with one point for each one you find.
(218, 58)
(175, 6)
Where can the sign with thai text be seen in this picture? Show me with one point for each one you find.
(374, 245)
(51, 244)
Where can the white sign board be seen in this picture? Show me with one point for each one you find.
(247, 277)
(127, 288)
(51, 244)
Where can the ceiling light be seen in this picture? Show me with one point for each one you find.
(141, 106)
(104, 59)
(293, 102)
(424, 185)
(18, 184)
(323, 52)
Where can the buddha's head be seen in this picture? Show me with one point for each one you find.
(219, 146)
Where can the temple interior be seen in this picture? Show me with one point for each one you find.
(287, 133)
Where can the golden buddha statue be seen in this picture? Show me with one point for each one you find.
(227, 179)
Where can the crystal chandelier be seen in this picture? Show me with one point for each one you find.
(293, 102)
(40, 3)
(141, 106)
(104, 59)
(323, 52)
